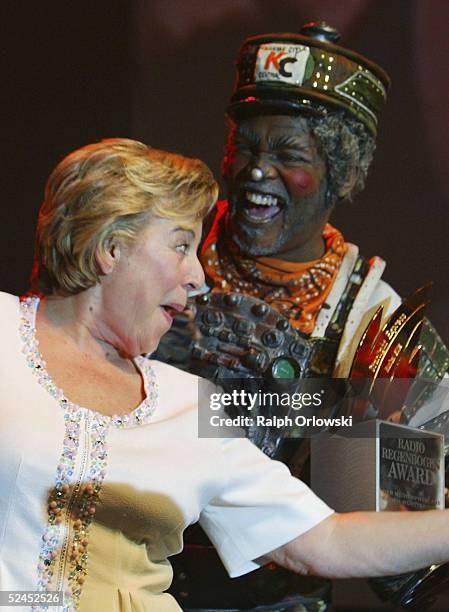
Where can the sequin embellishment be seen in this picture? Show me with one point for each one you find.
(71, 504)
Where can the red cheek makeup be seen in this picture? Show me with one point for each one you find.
(303, 180)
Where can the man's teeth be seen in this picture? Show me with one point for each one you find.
(261, 200)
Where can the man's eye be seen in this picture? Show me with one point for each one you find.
(291, 156)
(183, 248)
(241, 146)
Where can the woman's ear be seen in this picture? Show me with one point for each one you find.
(108, 255)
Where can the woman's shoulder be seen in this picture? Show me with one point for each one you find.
(9, 326)
(182, 390)
(9, 308)
(175, 380)
(169, 374)
(8, 300)
(178, 391)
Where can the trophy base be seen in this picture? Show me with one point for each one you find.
(417, 590)
(377, 465)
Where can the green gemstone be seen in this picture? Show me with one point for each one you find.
(282, 368)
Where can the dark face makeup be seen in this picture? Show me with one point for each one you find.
(283, 212)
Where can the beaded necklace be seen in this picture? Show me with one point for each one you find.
(296, 290)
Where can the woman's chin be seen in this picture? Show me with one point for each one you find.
(140, 347)
(152, 345)
(152, 348)
(158, 329)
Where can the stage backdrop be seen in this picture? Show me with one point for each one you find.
(162, 71)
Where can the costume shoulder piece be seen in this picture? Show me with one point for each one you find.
(434, 357)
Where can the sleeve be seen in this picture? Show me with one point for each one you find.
(261, 507)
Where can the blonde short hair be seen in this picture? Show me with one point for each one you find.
(108, 189)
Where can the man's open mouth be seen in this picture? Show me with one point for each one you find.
(259, 207)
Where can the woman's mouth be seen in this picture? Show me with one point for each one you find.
(260, 207)
(167, 315)
(169, 311)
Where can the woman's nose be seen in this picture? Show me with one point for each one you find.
(195, 278)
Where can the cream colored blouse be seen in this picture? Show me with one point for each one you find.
(93, 506)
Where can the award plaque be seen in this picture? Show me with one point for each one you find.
(378, 465)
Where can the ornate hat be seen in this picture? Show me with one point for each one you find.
(291, 73)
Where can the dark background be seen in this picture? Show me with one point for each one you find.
(161, 71)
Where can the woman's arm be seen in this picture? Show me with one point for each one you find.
(368, 544)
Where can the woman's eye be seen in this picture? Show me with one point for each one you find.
(183, 248)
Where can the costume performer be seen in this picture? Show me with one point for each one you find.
(303, 120)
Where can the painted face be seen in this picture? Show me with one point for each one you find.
(149, 282)
(285, 209)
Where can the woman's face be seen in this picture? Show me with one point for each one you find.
(149, 281)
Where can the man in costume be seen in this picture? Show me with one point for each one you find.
(303, 121)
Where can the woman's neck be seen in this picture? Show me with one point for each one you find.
(77, 319)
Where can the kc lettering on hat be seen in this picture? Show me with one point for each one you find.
(292, 73)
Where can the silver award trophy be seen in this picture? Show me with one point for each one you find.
(379, 466)
(394, 457)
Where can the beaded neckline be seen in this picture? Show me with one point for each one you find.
(139, 416)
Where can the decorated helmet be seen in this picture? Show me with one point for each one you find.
(291, 73)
